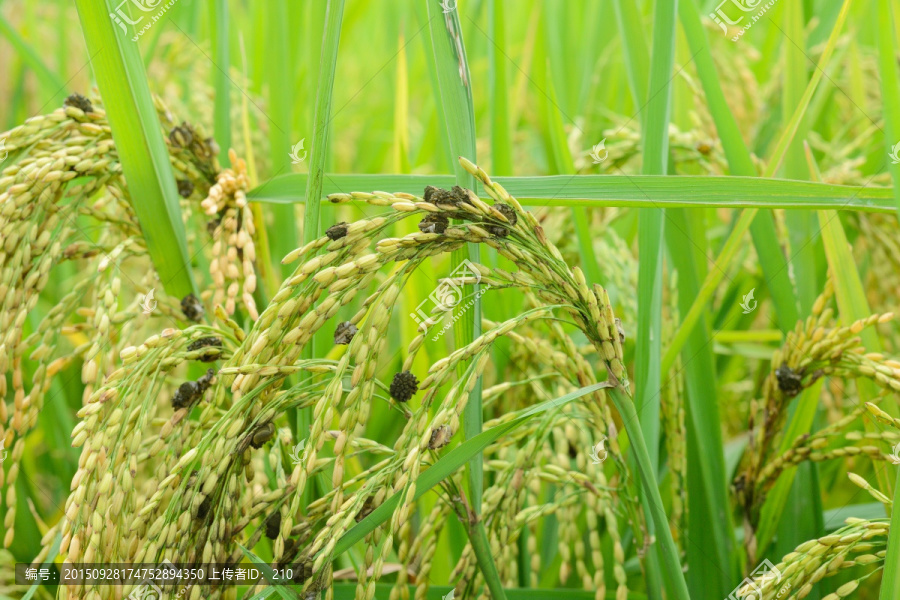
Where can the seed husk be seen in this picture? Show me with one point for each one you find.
(461, 195)
(440, 437)
(344, 333)
(337, 231)
(620, 329)
(367, 508)
(192, 308)
(262, 434)
(442, 197)
(211, 347)
(80, 102)
(190, 392)
(182, 135)
(509, 212)
(185, 188)
(789, 381)
(434, 223)
(205, 342)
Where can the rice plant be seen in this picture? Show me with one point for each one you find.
(465, 300)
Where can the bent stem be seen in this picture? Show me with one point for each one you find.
(482, 549)
(668, 550)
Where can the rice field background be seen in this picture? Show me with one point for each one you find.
(435, 299)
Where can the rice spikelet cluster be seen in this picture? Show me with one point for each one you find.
(234, 252)
(816, 348)
(194, 488)
(64, 167)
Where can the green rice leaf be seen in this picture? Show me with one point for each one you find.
(318, 154)
(456, 99)
(455, 85)
(222, 109)
(648, 340)
(139, 141)
(710, 545)
(740, 162)
(501, 140)
(637, 57)
(565, 164)
(324, 96)
(283, 233)
(671, 562)
(638, 191)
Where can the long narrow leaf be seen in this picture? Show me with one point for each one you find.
(222, 112)
(324, 94)
(318, 152)
(501, 144)
(139, 141)
(637, 57)
(651, 230)
(709, 544)
(283, 233)
(704, 294)
(797, 115)
(671, 563)
(740, 162)
(565, 164)
(639, 191)
(455, 83)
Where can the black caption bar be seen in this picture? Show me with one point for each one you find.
(155, 575)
